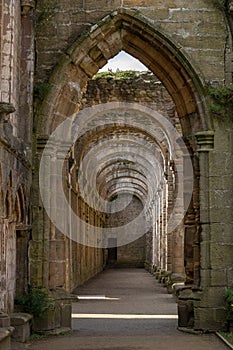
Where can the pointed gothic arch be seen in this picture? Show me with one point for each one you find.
(124, 30)
(20, 206)
(127, 30)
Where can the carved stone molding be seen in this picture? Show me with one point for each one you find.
(27, 6)
(230, 7)
(5, 109)
(205, 140)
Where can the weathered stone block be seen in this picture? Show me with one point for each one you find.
(208, 318)
(221, 198)
(221, 255)
(4, 320)
(218, 277)
(5, 340)
(132, 3)
(49, 321)
(66, 310)
(102, 4)
(222, 233)
(36, 249)
(57, 273)
(185, 313)
(22, 325)
(187, 15)
(216, 215)
(213, 297)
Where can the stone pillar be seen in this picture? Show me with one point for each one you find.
(59, 260)
(26, 70)
(203, 314)
(165, 250)
(38, 250)
(154, 252)
(158, 209)
(48, 251)
(178, 271)
(205, 142)
(170, 181)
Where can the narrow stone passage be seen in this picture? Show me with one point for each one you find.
(125, 309)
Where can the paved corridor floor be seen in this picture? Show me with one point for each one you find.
(125, 309)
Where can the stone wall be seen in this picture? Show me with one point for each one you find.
(132, 254)
(14, 189)
(200, 28)
(216, 217)
(15, 155)
(142, 87)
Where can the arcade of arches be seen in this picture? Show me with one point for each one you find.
(132, 171)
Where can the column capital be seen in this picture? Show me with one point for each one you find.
(205, 140)
(230, 7)
(27, 6)
(41, 141)
(6, 108)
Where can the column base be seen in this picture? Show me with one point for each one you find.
(58, 316)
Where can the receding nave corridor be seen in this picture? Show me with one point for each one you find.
(125, 309)
(76, 145)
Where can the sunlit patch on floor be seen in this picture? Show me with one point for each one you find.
(124, 316)
(95, 297)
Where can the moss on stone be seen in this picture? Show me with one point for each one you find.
(41, 89)
(221, 99)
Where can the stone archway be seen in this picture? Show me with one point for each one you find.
(123, 30)
(131, 32)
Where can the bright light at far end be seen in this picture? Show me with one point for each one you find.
(123, 61)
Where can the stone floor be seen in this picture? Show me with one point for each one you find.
(124, 309)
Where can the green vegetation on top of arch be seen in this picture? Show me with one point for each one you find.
(118, 75)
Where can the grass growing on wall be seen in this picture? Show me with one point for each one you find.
(118, 75)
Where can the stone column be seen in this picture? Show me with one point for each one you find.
(204, 315)
(158, 231)
(38, 249)
(170, 181)
(178, 271)
(154, 252)
(26, 70)
(47, 251)
(165, 241)
(205, 142)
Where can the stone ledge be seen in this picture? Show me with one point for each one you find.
(6, 108)
(5, 338)
(205, 140)
(18, 319)
(22, 325)
(189, 330)
(4, 333)
(57, 331)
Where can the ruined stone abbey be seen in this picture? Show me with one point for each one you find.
(132, 170)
